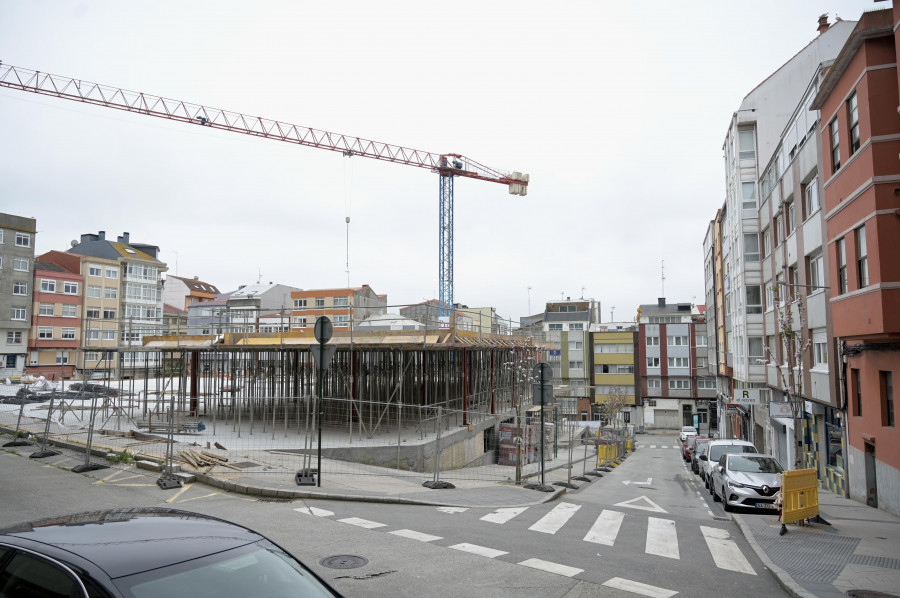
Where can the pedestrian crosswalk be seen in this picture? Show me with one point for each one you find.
(662, 536)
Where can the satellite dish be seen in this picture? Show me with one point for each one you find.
(73, 243)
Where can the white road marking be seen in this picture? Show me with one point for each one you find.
(552, 567)
(503, 515)
(725, 551)
(452, 510)
(408, 533)
(606, 528)
(362, 522)
(314, 511)
(555, 519)
(649, 506)
(479, 550)
(661, 538)
(638, 588)
(647, 483)
(652, 446)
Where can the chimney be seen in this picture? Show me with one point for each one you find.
(823, 23)
(196, 278)
(101, 236)
(661, 302)
(125, 238)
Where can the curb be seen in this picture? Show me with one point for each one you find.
(781, 576)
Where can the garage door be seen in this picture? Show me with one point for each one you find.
(667, 419)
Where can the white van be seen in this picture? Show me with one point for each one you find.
(717, 448)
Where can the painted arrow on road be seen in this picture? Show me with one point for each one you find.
(647, 483)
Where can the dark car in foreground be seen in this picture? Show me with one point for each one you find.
(148, 553)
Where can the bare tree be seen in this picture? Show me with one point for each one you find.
(615, 404)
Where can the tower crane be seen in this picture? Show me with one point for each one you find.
(447, 166)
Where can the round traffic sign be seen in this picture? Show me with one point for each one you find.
(323, 329)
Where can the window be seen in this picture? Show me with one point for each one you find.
(23, 240)
(1, 236)
(706, 383)
(341, 301)
(576, 365)
(567, 308)
(578, 326)
(48, 286)
(862, 258)
(62, 357)
(93, 291)
(887, 398)
(613, 348)
(653, 383)
(766, 243)
(70, 288)
(114, 272)
(554, 327)
(701, 340)
(93, 335)
(320, 302)
(94, 270)
(841, 250)
(70, 311)
(576, 346)
(812, 198)
(778, 231)
(678, 362)
(299, 303)
(853, 120)
(624, 369)
(20, 288)
(110, 314)
(747, 145)
(652, 341)
(678, 341)
(110, 292)
(857, 392)
(791, 220)
(748, 191)
(770, 296)
(751, 247)
(755, 349)
(816, 272)
(820, 348)
(754, 299)
(835, 146)
(341, 320)
(109, 335)
(68, 334)
(679, 384)
(653, 362)
(14, 338)
(45, 332)
(93, 312)
(20, 264)
(298, 321)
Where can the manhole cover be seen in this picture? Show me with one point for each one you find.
(343, 561)
(869, 594)
(245, 464)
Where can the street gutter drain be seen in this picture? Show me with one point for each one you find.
(343, 561)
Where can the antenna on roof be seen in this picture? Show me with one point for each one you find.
(663, 262)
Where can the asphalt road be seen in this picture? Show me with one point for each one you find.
(647, 528)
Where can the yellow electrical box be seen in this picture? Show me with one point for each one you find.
(799, 495)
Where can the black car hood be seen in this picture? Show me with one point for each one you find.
(121, 542)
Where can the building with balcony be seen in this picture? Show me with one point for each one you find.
(566, 335)
(16, 281)
(56, 331)
(858, 99)
(613, 353)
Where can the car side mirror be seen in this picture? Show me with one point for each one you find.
(703, 458)
(721, 469)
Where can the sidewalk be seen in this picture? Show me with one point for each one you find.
(858, 549)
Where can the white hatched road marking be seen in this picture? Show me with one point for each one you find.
(314, 511)
(503, 515)
(552, 567)
(638, 588)
(555, 519)
(661, 538)
(408, 533)
(479, 550)
(725, 551)
(606, 528)
(362, 522)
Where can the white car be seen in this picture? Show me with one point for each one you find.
(688, 431)
(714, 451)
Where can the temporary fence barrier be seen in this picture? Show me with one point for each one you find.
(799, 495)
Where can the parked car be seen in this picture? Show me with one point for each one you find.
(687, 431)
(697, 444)
(746, 480)
(150, 553)
(714, 451)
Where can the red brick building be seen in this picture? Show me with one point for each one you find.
(859, 99)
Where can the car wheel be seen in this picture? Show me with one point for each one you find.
(715, 494)
(725, 504)
(706, 483)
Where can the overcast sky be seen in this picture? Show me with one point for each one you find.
(618, 111)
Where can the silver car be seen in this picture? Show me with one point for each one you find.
(746, 480)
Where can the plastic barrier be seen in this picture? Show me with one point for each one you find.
(799, 495)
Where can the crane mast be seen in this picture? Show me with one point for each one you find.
(447, 166)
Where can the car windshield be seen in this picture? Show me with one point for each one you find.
(754, 464)
(717, 451)
(259, 570)
(701, 444)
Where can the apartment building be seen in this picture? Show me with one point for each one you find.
(860, 134)
(17, 237)
(344, 307)
(428, 313)
(677, 382)
(566, 334)
(180, 292)
(56, 332)
(614, 371)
